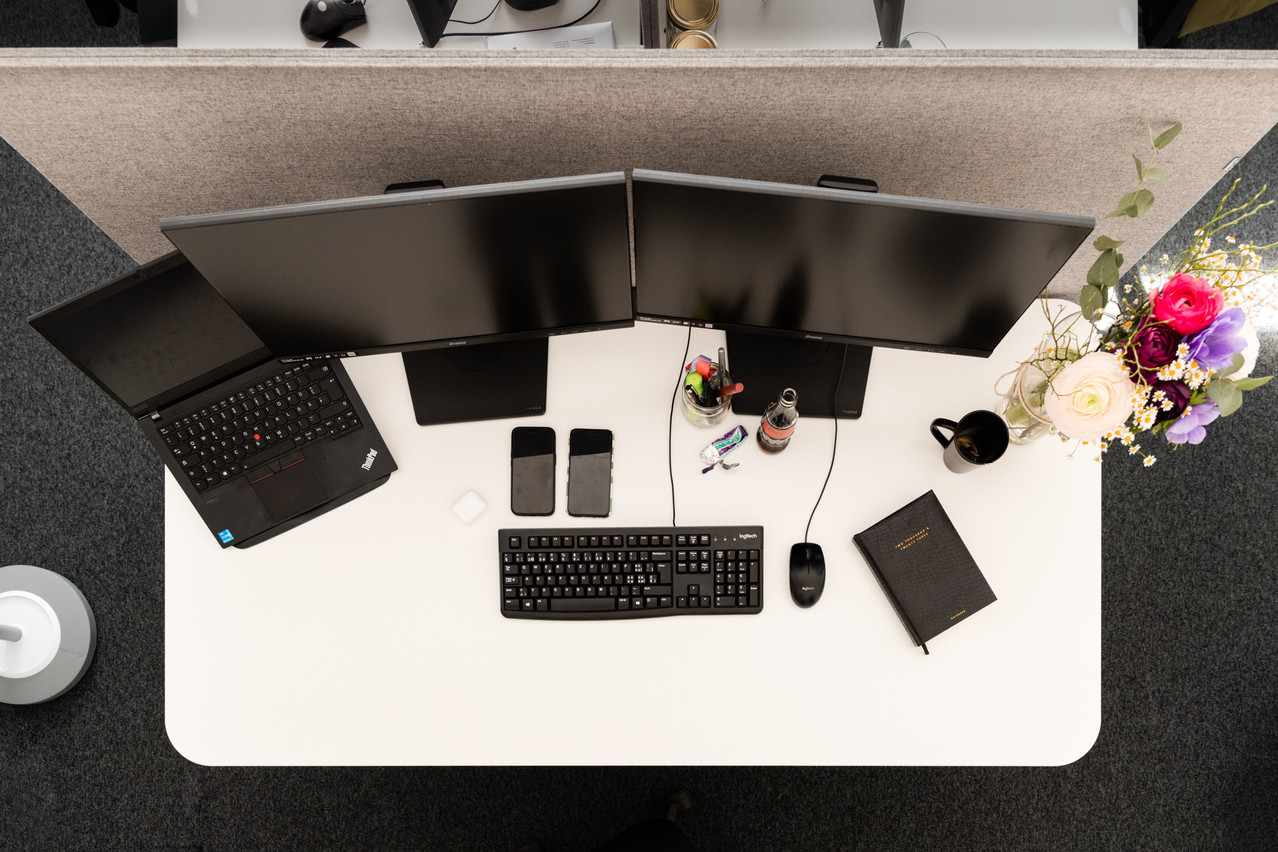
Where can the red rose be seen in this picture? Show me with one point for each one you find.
(1186, 304)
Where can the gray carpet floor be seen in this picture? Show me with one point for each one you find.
(1186, 757)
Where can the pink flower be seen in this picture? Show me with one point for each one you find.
(1187, 304)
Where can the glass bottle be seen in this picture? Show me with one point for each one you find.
(778, 421)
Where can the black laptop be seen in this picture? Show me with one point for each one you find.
(258, 445)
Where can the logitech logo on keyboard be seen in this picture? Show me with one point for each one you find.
(368, 459)
(747, 535)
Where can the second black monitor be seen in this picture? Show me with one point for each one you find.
(798, 274)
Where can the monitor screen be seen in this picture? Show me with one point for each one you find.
(840, 266)
(468, 282)
(418, 270)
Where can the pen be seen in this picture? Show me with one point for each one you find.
(729, 390)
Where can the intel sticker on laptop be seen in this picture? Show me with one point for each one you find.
(226, 537)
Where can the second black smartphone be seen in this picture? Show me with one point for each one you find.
(532, 470)
(590, 473)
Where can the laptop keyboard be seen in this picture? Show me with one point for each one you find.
(258, 423)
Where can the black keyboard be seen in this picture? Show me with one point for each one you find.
(631, 572)
(258, 423)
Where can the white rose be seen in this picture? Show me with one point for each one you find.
(1090, 397)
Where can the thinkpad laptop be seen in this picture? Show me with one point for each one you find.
(259, 446)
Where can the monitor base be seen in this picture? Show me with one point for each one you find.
(767, 365)
(483, 382)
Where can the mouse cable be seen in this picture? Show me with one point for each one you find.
(687, 347)
(834, 448)
(573, 22)
(491, 12)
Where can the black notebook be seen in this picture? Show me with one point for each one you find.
(924, 568)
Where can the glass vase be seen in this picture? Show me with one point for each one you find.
(1021, 404)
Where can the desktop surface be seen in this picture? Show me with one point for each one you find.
(374, 634)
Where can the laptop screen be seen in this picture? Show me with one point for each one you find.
(154, 336)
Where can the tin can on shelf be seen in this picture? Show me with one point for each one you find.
(684, 16)
(693, 40)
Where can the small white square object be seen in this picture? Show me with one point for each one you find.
(469, 507)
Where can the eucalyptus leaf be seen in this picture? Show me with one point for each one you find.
(1140, 169)
(1109, 272)
(1154, 174)
(1165, 138)
(1106, 243)
(1104, 271)
(1251, 384)
(1094, 274)
(1235, 364)
(1092, 301)
(1226, 395)
(1144, 198)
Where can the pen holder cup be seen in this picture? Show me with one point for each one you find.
(704, 416)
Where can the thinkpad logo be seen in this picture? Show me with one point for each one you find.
(368, 459)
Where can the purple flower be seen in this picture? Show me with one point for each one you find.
(1216, 344)
(1188, 428)
(1153, 346)
(1175, 393)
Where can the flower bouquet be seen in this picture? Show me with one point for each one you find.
(1166, 355)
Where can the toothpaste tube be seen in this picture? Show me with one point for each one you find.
(713, 454)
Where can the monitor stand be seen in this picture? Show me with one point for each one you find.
(485, 381)
(829, 378)
(481, 382)
(766, 365)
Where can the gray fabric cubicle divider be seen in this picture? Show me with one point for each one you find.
(131, 136)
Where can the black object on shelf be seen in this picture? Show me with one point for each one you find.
(431, 17)
(889, 13)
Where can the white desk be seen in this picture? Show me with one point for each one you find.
(373, 635)
(785, 24)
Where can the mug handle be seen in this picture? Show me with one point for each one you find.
(941, 423)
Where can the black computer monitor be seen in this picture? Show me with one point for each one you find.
(467, 282)
(806, 280)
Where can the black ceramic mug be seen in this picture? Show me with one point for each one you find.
(979, 438)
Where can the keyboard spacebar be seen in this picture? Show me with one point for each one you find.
(582, 605)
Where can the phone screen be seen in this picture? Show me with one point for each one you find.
(590, 473)
(532, 470)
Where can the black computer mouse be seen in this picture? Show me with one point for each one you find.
(807, 573)
(326, 19)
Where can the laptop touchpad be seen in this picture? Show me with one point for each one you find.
(287, 486)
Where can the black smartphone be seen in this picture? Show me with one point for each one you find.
(532, 470)
(590, 473)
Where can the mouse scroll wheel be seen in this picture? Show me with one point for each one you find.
(322, 6)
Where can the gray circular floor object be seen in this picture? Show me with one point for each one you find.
(47, 635)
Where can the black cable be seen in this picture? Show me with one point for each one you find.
(491, 12)
(573, 22)
(834, 447)
(687, 347)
